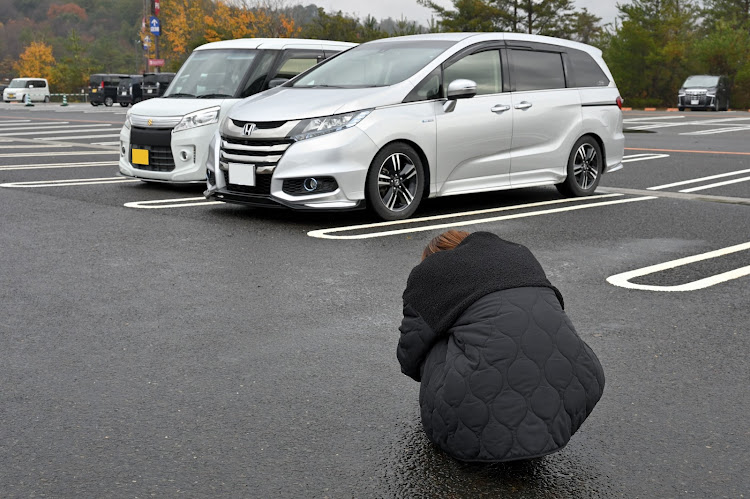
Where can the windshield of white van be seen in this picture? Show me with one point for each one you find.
(212, 73)
(701, 81)
(374, 64)
(17, 84)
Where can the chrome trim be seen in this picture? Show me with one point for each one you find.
(156, 122)
(235, 158)
(241, 147)
(259, 170)
(278, 133)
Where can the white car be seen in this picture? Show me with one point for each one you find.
(166, 139)
(18, 88)
(396, 120)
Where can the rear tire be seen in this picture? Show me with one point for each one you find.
(94, 104)
(395, 182)
(123, 104)
(680, 108)
(46, 98)
(585, 165)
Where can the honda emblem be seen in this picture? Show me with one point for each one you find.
(249, 128)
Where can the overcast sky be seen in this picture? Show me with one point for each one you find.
(410, 9)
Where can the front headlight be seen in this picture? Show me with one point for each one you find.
(199, 118)
(711, 92)
(316, 127)
(127, 120)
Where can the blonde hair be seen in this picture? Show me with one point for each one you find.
(445, 241)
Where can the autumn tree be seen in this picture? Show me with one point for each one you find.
(36, 61)
(73, 69)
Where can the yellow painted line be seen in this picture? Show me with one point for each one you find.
(331, 233)
(623, 280)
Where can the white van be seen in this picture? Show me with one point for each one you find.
(396, 120)
(37, 88)
(166, 139)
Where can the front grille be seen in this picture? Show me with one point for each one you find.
(160, 158)
(262, 185)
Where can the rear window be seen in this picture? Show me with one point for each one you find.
(586, 71)
(534, 70)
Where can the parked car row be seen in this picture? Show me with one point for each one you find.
(317, 125)
(124, 89)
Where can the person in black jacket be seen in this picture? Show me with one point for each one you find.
(504, 375)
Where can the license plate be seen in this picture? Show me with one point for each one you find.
(11, 96)
(93, 90)
(694, 102)
(149, 91)
(124, 93)
(139, 156)
(241, 174)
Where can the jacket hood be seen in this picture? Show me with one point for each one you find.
(290, 103)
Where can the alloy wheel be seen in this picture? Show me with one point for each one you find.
(397, 182)
(586, 166)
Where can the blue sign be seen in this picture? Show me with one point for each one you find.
(154, 26)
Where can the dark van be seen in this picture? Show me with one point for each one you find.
(103, 88)
(155, 84)
(129, 90)
(704, 92)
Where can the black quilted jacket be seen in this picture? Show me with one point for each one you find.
(504, 374)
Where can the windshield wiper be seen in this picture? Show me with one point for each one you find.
(179, 95)
(213, 96)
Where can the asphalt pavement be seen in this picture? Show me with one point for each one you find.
(157, 345)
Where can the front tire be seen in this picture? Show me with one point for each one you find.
(46, 98)
(395, 182)
(108, 101)
(94, 104)
(123, 104)
(585, 166)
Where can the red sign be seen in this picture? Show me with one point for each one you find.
(156, 62)
(156, 8)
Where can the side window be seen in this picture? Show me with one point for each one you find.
(30, 84)
(427, 89)
(258, 76)
(42, 84)
(587, 72)
(295, 65)
(537, 70)
(483, 68)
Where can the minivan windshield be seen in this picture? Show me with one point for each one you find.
(374, 64)
(701, 81)
(212, 73)
(17, 84)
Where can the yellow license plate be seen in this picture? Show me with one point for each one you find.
(139, 156)
(93, 90)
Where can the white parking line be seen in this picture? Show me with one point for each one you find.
(171, 203)
(642, 157)
(72, 182)
(328, 233)
(623, 280)
(650, 118)
(696, 180)
(86, 128)
(718, 184)
(717, 130)
(58, 165)
(26, 146)
(53, 153)
(74, 137)
(5, 125)
(13, 121)
(106, 143)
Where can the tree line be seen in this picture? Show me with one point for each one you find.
(651, 48)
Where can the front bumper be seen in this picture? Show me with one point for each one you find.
(179, 157)
(343, 156)
(700, 101)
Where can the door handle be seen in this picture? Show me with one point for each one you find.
(500, 109)
(523, 105)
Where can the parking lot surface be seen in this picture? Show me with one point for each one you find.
(158, 344)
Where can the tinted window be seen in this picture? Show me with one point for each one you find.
(215, 73)
(537, 70)
(701, 81)
(296, 65)
(482, 68)
(586, 71)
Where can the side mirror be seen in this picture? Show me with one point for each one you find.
(462, 89)
(276, 82)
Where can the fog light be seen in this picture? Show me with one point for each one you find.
(184, 155)
(310, 184)
(122, 148)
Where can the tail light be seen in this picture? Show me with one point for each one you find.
(102, 85)
(619, 102)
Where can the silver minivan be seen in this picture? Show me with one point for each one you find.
(396, 120)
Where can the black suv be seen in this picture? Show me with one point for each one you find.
(704, 92)
(155, 84)
(103, 88)
(129, 90)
